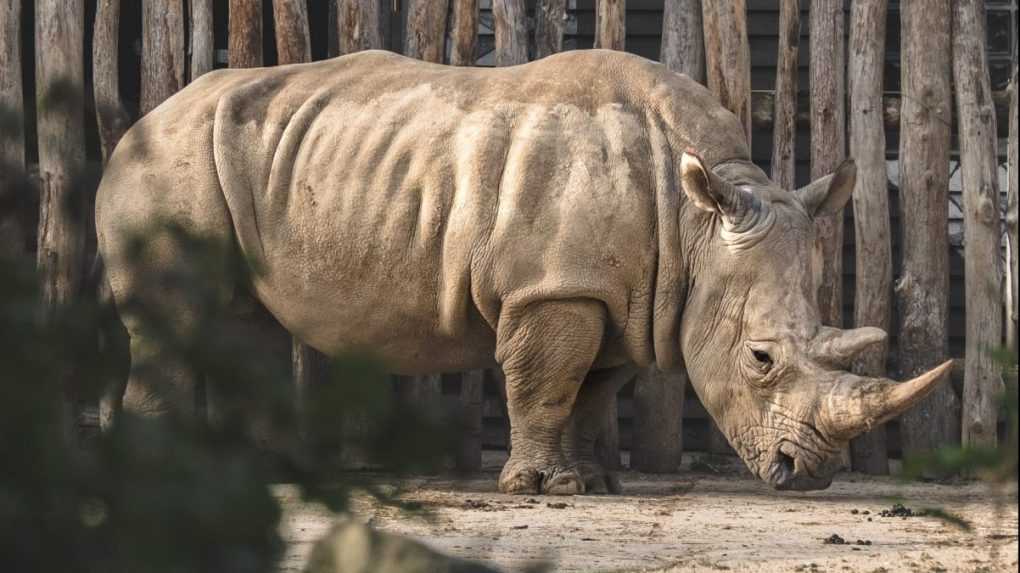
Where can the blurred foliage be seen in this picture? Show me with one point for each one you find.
(175, 493)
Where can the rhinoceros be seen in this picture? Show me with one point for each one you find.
(565, 220)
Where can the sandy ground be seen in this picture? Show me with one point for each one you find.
(695, 521)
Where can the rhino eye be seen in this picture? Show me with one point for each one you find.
(763, 359)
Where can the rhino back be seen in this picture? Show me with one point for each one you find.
(405, 206)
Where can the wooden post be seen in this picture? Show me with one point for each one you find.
(510, 25)
(922, 291)
(244, 36)
(550, 17)
(358, 26)
(728, 56)
(163, 54)
(683, 45)
(657, 444)
(12, 128)
(202, 50)
(784, 130)
(290, 19)
(59, 82)
(611, 24)
(828, 146)
(977, 134)
(1011, 221)
(426, 30)
(610, 34)
(872, 305)
(111, 117)
(463, 32)
(469, 454)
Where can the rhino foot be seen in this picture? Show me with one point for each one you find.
(598, 480)
(529, 479)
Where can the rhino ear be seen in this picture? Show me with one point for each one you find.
(828, 195)
(711, 193)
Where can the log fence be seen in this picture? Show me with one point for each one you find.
(942, 44)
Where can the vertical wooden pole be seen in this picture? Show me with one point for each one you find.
(202, 50)
(464, 32)
(657, 445)
(872, 305)
(358, 26)
(978, 161)
(244, 37)
(426, 29)
(1011, 220)
(922, 290)
(59, 82)
(510, 25)
(550, 18)
(683, 44)
(728, 75)
(290, 20)
(611, 24)
(828, 145)
(163, 54)
(111, 117)
(784, 128)
(828, 150)
(12, 128)
(611, 34)
(728, 56)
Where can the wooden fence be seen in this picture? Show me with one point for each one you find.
(116, 60)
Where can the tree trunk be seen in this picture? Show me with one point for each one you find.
(977, 134)
(463, 32)
(163, 54)
(828, 146)
(922, 292)
(728, 56)
(111, 117)
(12, 131)
(871, 208)
(426, 30)
(510, 24)
(358, 26)
(683, 46)
(244, 37)
(202, 47)
(290, 19)
(550, 17)
(784, 130)
(611, 24)
(63, 203)
(469, 454)
(1011, 222)
(610, 34)
(657, 444)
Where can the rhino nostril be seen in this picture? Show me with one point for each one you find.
(787, 464)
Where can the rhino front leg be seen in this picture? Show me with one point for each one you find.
(586, 422)
(546, 350)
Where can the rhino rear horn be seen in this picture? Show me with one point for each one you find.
(837, 347)
(739, 209)
(828, 195)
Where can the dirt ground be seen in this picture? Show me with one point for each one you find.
(692, 521)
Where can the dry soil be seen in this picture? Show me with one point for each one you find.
(692, 521)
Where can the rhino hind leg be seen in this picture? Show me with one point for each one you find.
(166, 293)
(545, 349)
(585, 424)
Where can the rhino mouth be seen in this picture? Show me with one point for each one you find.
(792, 469)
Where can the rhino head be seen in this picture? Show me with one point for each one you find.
(775, 379)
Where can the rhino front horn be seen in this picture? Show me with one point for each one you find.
(857, 404)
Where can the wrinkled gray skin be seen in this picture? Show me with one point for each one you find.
(568, 220)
